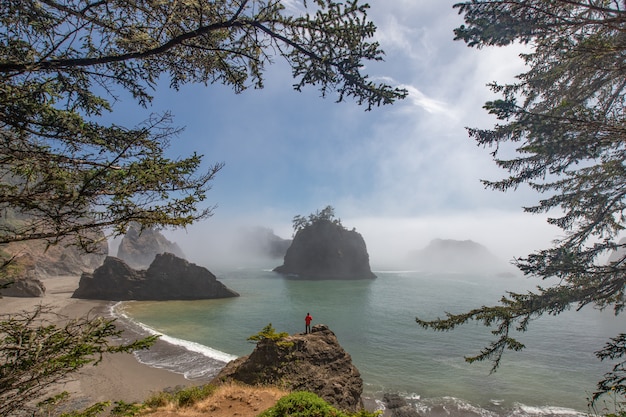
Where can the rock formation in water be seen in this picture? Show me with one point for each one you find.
(139, 247)
(324, 249)
(167, 278)
(456, 256)
(313, 362)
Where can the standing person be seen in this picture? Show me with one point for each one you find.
(308, 320)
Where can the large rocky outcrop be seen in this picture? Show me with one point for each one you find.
(167, 278)
(34, 260)
(139, 247)
(60, 259)
(313, 362)
(326, 250)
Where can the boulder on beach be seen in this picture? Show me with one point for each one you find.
(25, 286)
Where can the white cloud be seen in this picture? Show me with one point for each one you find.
(419, 99)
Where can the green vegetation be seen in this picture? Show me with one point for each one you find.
(92, 411)
(35, 354)
(307, 404)
(180, 398)
(327, 214)
(268, 332)
(67, 170)
(561, 131)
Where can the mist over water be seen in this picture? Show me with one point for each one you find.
(217, 243)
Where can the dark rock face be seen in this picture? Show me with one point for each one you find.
(313, 362)
(27, 286)
(138, 248)
(167, 278)
(326, 250)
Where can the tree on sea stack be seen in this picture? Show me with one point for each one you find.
(323, 249)
(566, 117)
(67, 172)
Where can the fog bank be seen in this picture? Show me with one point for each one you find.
(217, 242)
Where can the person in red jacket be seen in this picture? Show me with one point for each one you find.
(308, 320)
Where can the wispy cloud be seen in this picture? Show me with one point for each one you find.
(419, 99)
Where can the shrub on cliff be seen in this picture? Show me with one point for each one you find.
(268, 332)
(307, 404)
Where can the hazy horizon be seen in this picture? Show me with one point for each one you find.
(389, 241)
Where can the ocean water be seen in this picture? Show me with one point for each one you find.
(374, 321)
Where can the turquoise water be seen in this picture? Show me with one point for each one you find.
(374, 321)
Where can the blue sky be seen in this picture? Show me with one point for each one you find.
(401, 175)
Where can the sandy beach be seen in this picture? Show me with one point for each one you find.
(117, 377)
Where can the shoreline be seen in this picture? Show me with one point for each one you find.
(119, 377)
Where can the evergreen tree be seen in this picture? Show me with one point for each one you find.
(566, 118)
(327, 214)
(64, 172)
(36, 353)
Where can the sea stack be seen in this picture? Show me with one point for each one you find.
(323, 249)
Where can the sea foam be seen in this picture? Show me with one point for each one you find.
(117, 311)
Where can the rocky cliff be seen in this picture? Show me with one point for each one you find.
(34, 260)
(167, 278)
(326, 250)
(139, 247)
(313, 362)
